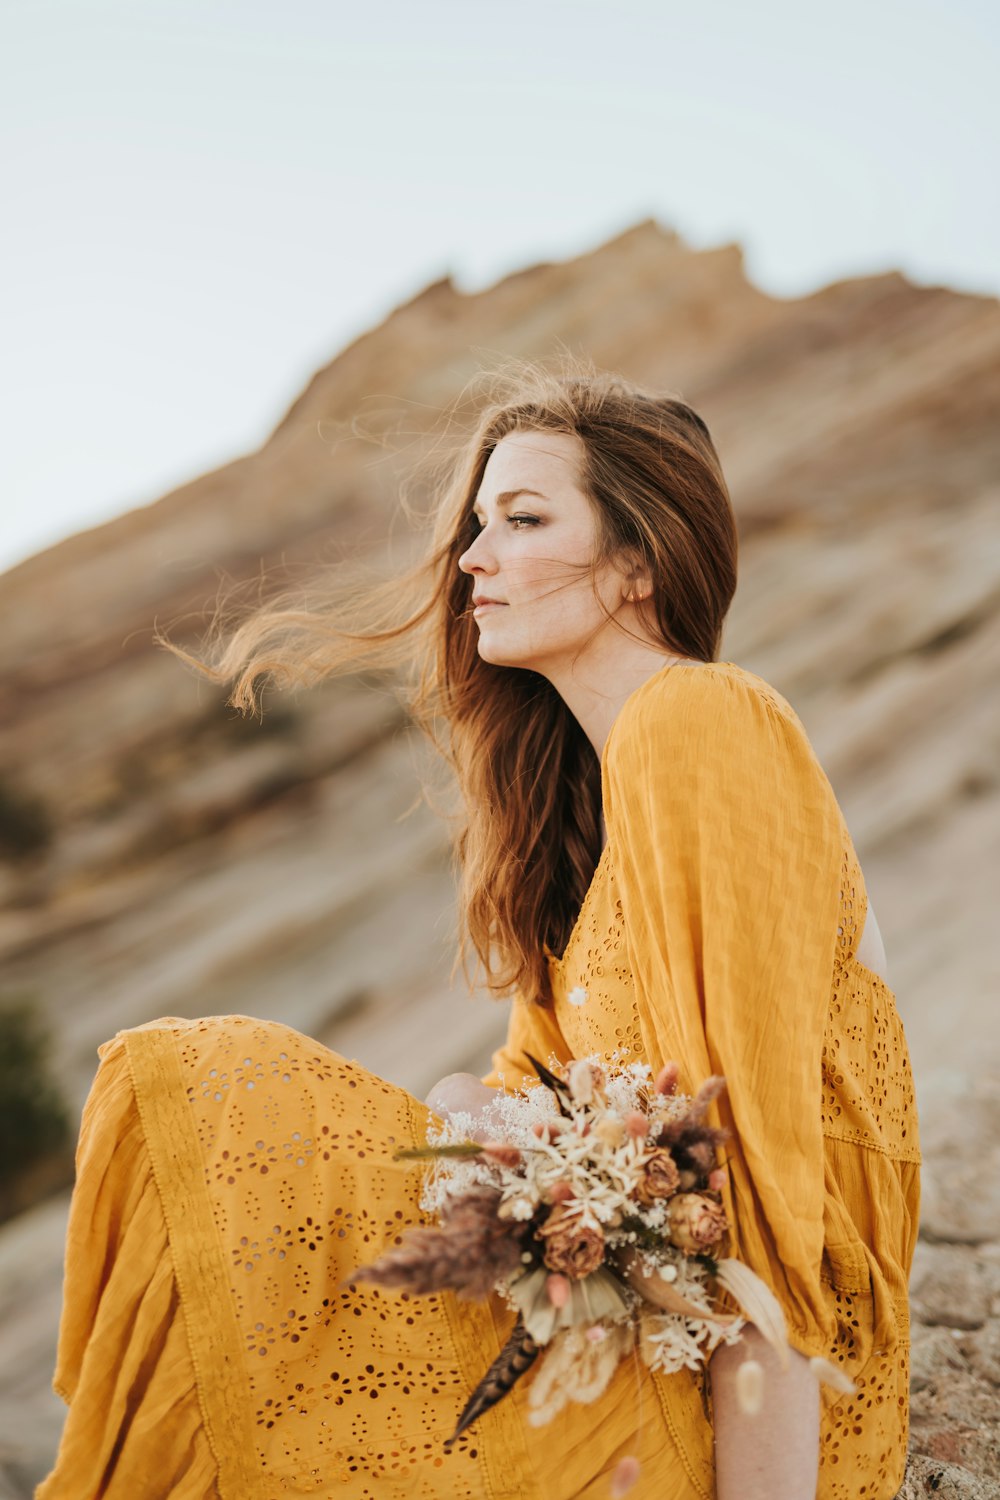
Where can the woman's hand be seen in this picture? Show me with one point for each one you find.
(462, 1093)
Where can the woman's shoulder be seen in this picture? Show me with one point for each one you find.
(691, 706)
(714, 749)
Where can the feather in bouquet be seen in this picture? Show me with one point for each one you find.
(596, 1214)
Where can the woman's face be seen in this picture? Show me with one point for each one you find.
(535, 600)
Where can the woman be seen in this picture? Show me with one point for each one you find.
(655, 862)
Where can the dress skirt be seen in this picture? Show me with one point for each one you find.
(232, 1175)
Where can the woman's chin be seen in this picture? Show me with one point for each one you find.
(499, 655)
(493, 654)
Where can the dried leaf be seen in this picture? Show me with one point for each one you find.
(759, 1304)
(663, 1295)
(593, 1299)
(550, 1081)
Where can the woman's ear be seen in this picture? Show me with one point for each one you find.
(637, 580)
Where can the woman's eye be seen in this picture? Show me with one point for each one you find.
(519, 523)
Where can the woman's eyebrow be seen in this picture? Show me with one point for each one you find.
(505, 497)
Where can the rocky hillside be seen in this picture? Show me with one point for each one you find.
(181, 860)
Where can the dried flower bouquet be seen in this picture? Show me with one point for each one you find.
(596, 1213)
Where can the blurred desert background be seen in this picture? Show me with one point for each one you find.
(162, 855)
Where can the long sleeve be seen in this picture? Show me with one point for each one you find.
(726, 837)
(530, 1028)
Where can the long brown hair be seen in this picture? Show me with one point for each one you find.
(529, 838)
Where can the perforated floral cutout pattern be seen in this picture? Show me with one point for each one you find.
(275, 1178)
(868, 1094)
(348, 1385)
(263, 1175)
(869, 1120)
(863, 1438)
(596, 961)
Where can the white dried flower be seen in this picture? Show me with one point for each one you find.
(576, 1368)
(517, 1207)
(586, 1081)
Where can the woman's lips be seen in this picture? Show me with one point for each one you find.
(485, 605)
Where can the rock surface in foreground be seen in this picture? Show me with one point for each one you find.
(955, 1301)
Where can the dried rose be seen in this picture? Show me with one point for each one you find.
(659, 1179)
(696, 1223)
(574, 1242)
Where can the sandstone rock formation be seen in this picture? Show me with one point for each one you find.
(201, 863)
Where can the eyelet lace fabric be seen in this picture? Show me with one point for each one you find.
(348, 1386)
(233, 1175)
(869, 1120)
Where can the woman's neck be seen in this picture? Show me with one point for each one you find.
(595, 687)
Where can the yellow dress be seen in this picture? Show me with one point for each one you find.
(233, 1173)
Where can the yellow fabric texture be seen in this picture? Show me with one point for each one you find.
(721, 931)
(232, 1174)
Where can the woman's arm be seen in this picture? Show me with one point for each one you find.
(728, 846)
(773, 1455)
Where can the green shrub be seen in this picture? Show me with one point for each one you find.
(35, 1156)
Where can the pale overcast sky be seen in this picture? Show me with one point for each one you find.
(205, 199)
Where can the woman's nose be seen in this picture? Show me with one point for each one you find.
(477, 557)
